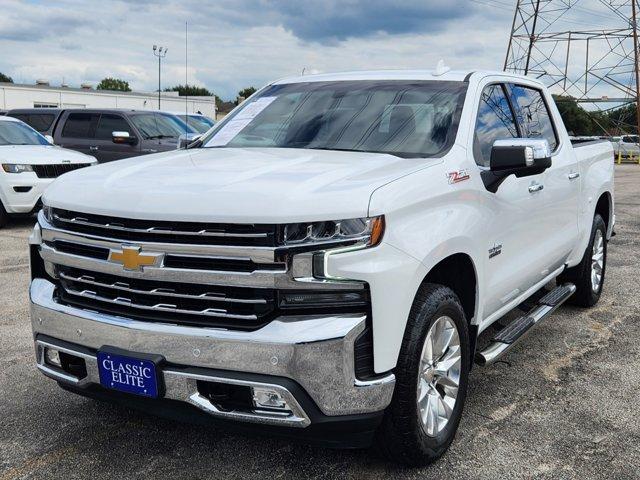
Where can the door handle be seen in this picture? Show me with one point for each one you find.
(535, 187)
(93, 148)
(573, 175)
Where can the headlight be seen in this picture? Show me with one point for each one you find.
(46, 211)
(367, 231)
(16, 167)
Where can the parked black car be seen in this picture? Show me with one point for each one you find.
(107, 134)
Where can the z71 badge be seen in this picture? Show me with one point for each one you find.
(458, 176)
(495, 250)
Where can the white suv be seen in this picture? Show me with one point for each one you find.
(28, 164)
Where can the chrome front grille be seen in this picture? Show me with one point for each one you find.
(161, 301)
(136, 230)
(209, 284)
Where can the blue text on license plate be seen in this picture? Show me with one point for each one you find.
(128, 374)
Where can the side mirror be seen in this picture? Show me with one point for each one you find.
(186, 139)
(123, 138)
(517, 156)
(49, 139)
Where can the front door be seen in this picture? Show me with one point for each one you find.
(109, 151)
(513, 240)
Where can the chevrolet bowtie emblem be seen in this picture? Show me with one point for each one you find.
(131, 258)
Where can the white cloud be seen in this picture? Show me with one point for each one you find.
(235, 44)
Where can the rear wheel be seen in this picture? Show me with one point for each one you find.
(431, 380)
(588, 275)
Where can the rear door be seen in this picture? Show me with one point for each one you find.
(109, 151)
(514, 239)
(561, 183)
(76, 131)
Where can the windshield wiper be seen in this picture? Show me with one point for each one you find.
(395, 154)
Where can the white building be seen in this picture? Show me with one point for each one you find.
(42, 95)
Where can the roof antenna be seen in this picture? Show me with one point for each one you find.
(303, 69)
(441, 69)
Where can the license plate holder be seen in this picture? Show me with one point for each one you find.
(129, 372)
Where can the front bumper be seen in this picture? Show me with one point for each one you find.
(19, 201)
(315, 352)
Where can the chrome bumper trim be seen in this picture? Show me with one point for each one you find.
(89, 280)
(315, 351)
(183, 387)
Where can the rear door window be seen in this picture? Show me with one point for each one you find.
(110, 123)
(533, 114)
(80, 125)
(495, 122)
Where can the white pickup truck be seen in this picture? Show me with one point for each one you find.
(322, 262)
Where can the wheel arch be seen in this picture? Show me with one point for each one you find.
(459, 273)
(604, 207)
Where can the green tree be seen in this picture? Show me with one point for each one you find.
(5, 78)
(110, 83)
(190, 90)
(624, 119)
(246, 92)
(578, 121)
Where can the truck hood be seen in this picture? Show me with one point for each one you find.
(41, 155)
(253, 185)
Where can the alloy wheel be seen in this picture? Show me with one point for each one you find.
(439, 375)
(597, 261)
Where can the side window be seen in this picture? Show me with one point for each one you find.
(533, 114)
(110, 123)
(495, 122)
(41, 121)
(80, 125)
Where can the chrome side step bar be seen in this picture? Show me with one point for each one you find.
(506, 338)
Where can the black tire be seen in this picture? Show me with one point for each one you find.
(401, 437)
(580, 275)
(4, 217)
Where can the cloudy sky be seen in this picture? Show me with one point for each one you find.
(238, 43)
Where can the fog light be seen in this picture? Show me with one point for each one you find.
(268, 398)
(52, 357)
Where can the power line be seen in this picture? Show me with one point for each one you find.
(607, 59)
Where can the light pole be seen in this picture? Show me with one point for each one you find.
(159, 52)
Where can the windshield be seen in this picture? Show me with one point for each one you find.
(404, 118)
(197, 122)
(17, 133)
(155, 126)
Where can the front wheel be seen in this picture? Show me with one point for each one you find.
(4, 217)
(431, 380)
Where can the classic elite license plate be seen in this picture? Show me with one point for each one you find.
(128, 374)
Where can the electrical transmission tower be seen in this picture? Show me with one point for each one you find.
(585, 49)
